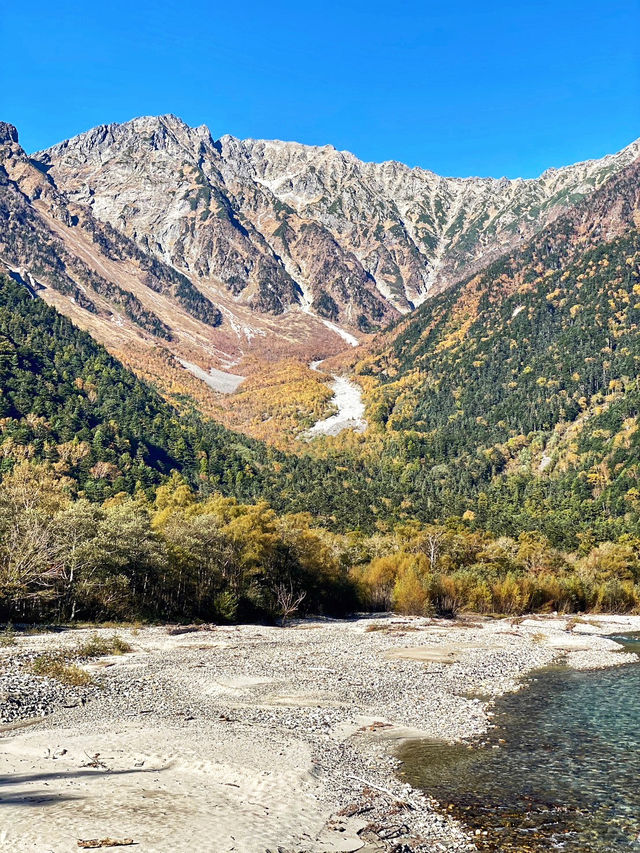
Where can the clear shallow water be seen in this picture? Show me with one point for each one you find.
(566, 771)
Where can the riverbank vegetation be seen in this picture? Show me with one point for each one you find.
(180, 557)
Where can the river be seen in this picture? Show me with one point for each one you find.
(559, 771)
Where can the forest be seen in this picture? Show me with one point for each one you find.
(515, 396)
(181, 557)
(499, 473)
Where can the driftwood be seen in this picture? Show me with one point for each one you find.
(19, 724)
(94, 761)
(92, 843)
(386, 791)
(375, 726)
(355, 809)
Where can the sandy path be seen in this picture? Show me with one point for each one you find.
(166, 787)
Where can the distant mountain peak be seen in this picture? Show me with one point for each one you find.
(8, 132)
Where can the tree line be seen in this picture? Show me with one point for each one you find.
(217, 559)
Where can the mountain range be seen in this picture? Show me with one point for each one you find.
(211, 246)
(281, 224)
(497, 319)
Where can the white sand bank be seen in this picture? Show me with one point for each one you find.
(217, 380)
(347, 399)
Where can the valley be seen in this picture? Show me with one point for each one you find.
(320, 427)
(511, 385)
(250, 389)
(254, 258)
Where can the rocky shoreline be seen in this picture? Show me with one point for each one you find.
(303, 721)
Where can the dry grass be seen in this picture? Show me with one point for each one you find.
(61, 667)
(56, 667)
(579, 620)
(97, 647)
(401, 628)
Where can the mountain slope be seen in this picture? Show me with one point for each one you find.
(294, 224)
(64, 399)
(169, 327)
(514, 395)
(510, 400)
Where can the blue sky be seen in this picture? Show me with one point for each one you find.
(463, 88)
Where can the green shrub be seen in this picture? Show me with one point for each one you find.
(226, 606)
(8, 636)
(616, 596)
(508, 596)
(409, 593)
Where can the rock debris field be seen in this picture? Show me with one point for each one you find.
(253, 738)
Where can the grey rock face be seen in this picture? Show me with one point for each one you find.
(282, 224)
(8, 132)
(30, 203)
(411, 229)
(157, 181)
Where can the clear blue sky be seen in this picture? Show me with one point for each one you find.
(463, 88)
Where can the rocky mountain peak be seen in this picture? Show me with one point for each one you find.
(281, 224)
(146, 133)
(8, 132)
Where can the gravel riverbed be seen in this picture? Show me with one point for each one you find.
(253, 738)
